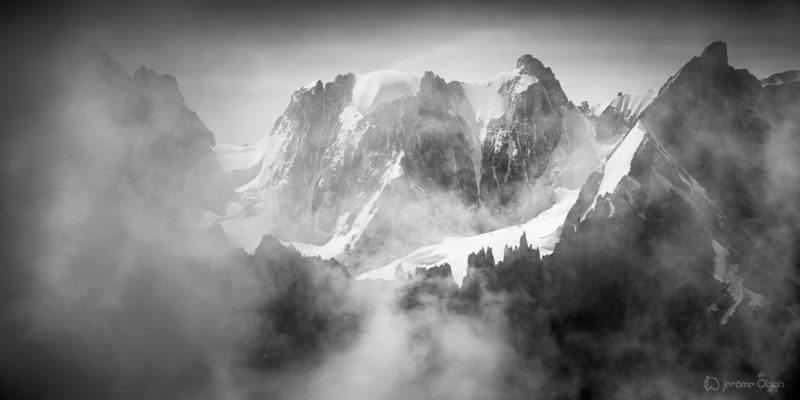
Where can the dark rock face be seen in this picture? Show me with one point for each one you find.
(306, 307)
(427, 129)
(642, 277)
(705, 116)
(738, 139)
(437, 145)
(314, 115)
(517, 148)
(161, 129)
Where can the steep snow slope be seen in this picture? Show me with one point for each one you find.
(618, 163)
(542, 231)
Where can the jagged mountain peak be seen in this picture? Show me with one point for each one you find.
(710, 75)
(165, 84)
(529, 65)
(146, 74)
(715, 55)
(430, 78)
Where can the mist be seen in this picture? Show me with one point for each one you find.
(109, 290)
(112, 287)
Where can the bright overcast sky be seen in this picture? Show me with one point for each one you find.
(238, 66)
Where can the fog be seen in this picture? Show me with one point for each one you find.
(109, 292)
(109, 289)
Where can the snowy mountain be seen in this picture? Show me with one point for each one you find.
(389, 172)
(369, 167)
(698, 152)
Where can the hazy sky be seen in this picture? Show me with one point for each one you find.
(238, 65)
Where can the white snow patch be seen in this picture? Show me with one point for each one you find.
(619, 163)
(541, 231)
(350, 134)
(524, 82)
(233, 157)
(243, 157)
(310, 85)
(486, 103)
(728, 274)
(382, 86)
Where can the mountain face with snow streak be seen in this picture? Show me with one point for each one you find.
(696, 163)
(350, 155)
(388, 172)
(517, 148)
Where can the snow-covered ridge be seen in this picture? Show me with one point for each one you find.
(618, 163)
(378, 87)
